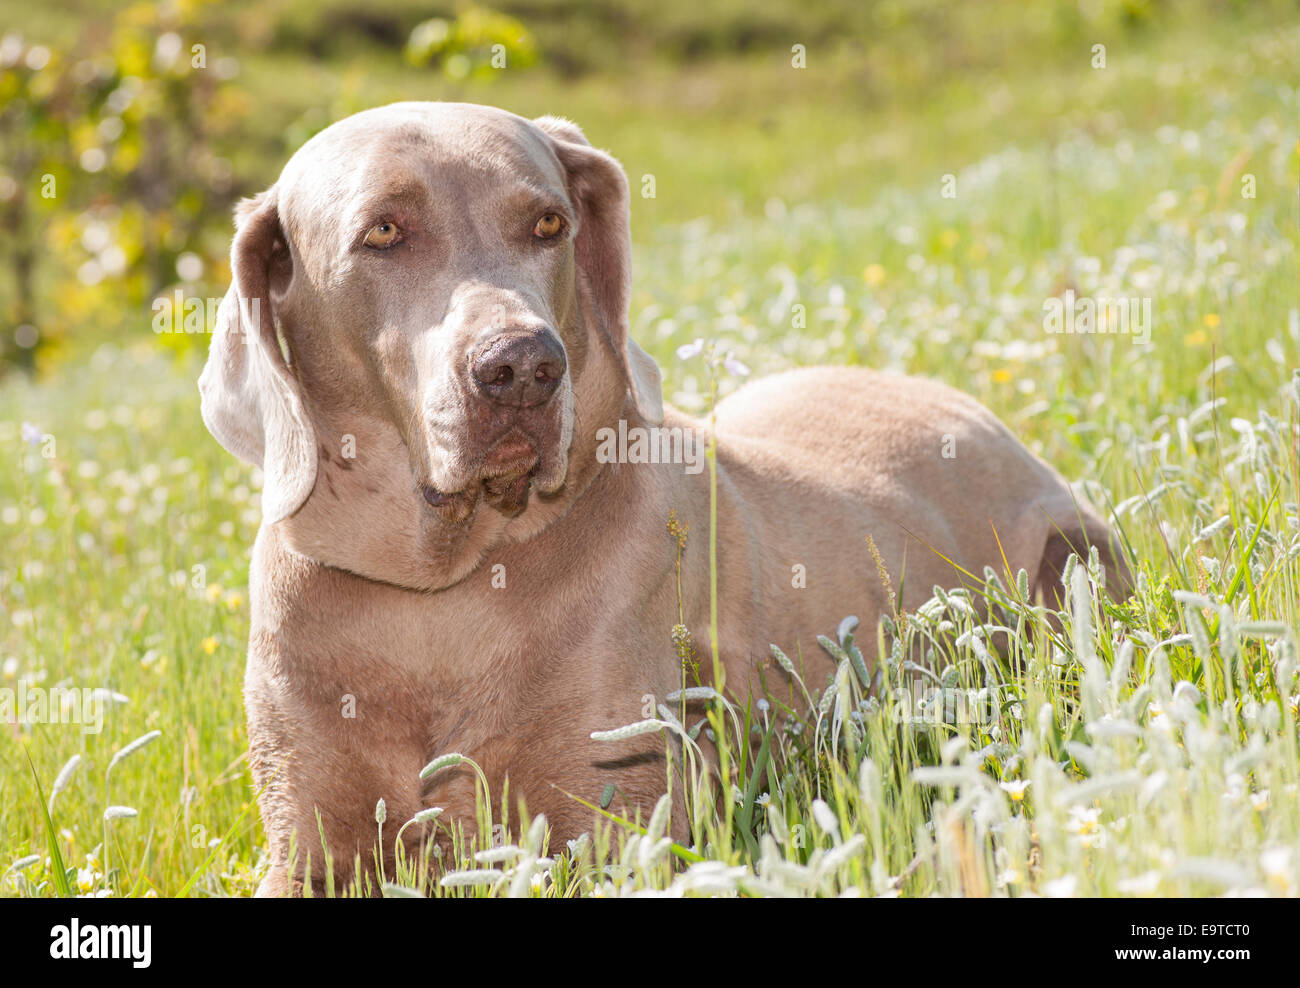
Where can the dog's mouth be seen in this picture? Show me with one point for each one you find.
(504, 480)
(507, 474)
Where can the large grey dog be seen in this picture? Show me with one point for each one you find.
(426, 335)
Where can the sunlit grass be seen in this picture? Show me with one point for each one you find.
(1145, 747)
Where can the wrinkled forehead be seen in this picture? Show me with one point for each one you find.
(412, 153)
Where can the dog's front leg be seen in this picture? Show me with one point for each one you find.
(321, 777)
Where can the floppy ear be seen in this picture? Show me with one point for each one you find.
(252, 402)
(602, 251)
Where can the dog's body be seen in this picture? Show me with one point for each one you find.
(411, 597)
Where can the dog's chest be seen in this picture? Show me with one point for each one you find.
(329, 640)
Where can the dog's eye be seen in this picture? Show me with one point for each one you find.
(548, 226)
(383, 235)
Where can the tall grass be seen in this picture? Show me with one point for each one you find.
(1139, 747)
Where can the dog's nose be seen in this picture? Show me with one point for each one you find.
(521, 369)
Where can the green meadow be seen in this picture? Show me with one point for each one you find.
(912, 198)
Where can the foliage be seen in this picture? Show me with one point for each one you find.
(476, 44)
(112, 175)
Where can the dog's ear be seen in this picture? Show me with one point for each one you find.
(602, 252)
(252, 401)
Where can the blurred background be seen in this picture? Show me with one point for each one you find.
(127, 131)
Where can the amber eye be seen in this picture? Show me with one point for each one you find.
(548, 226)
(383, 235)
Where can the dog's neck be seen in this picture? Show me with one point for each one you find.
(365, 514)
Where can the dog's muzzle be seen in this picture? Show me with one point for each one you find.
(513, 377)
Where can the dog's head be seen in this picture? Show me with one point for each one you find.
(427, 324)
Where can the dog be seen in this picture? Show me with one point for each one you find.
(424, 346)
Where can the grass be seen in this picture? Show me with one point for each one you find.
(1144, 747)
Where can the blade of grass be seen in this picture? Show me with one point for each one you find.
(56, 857)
